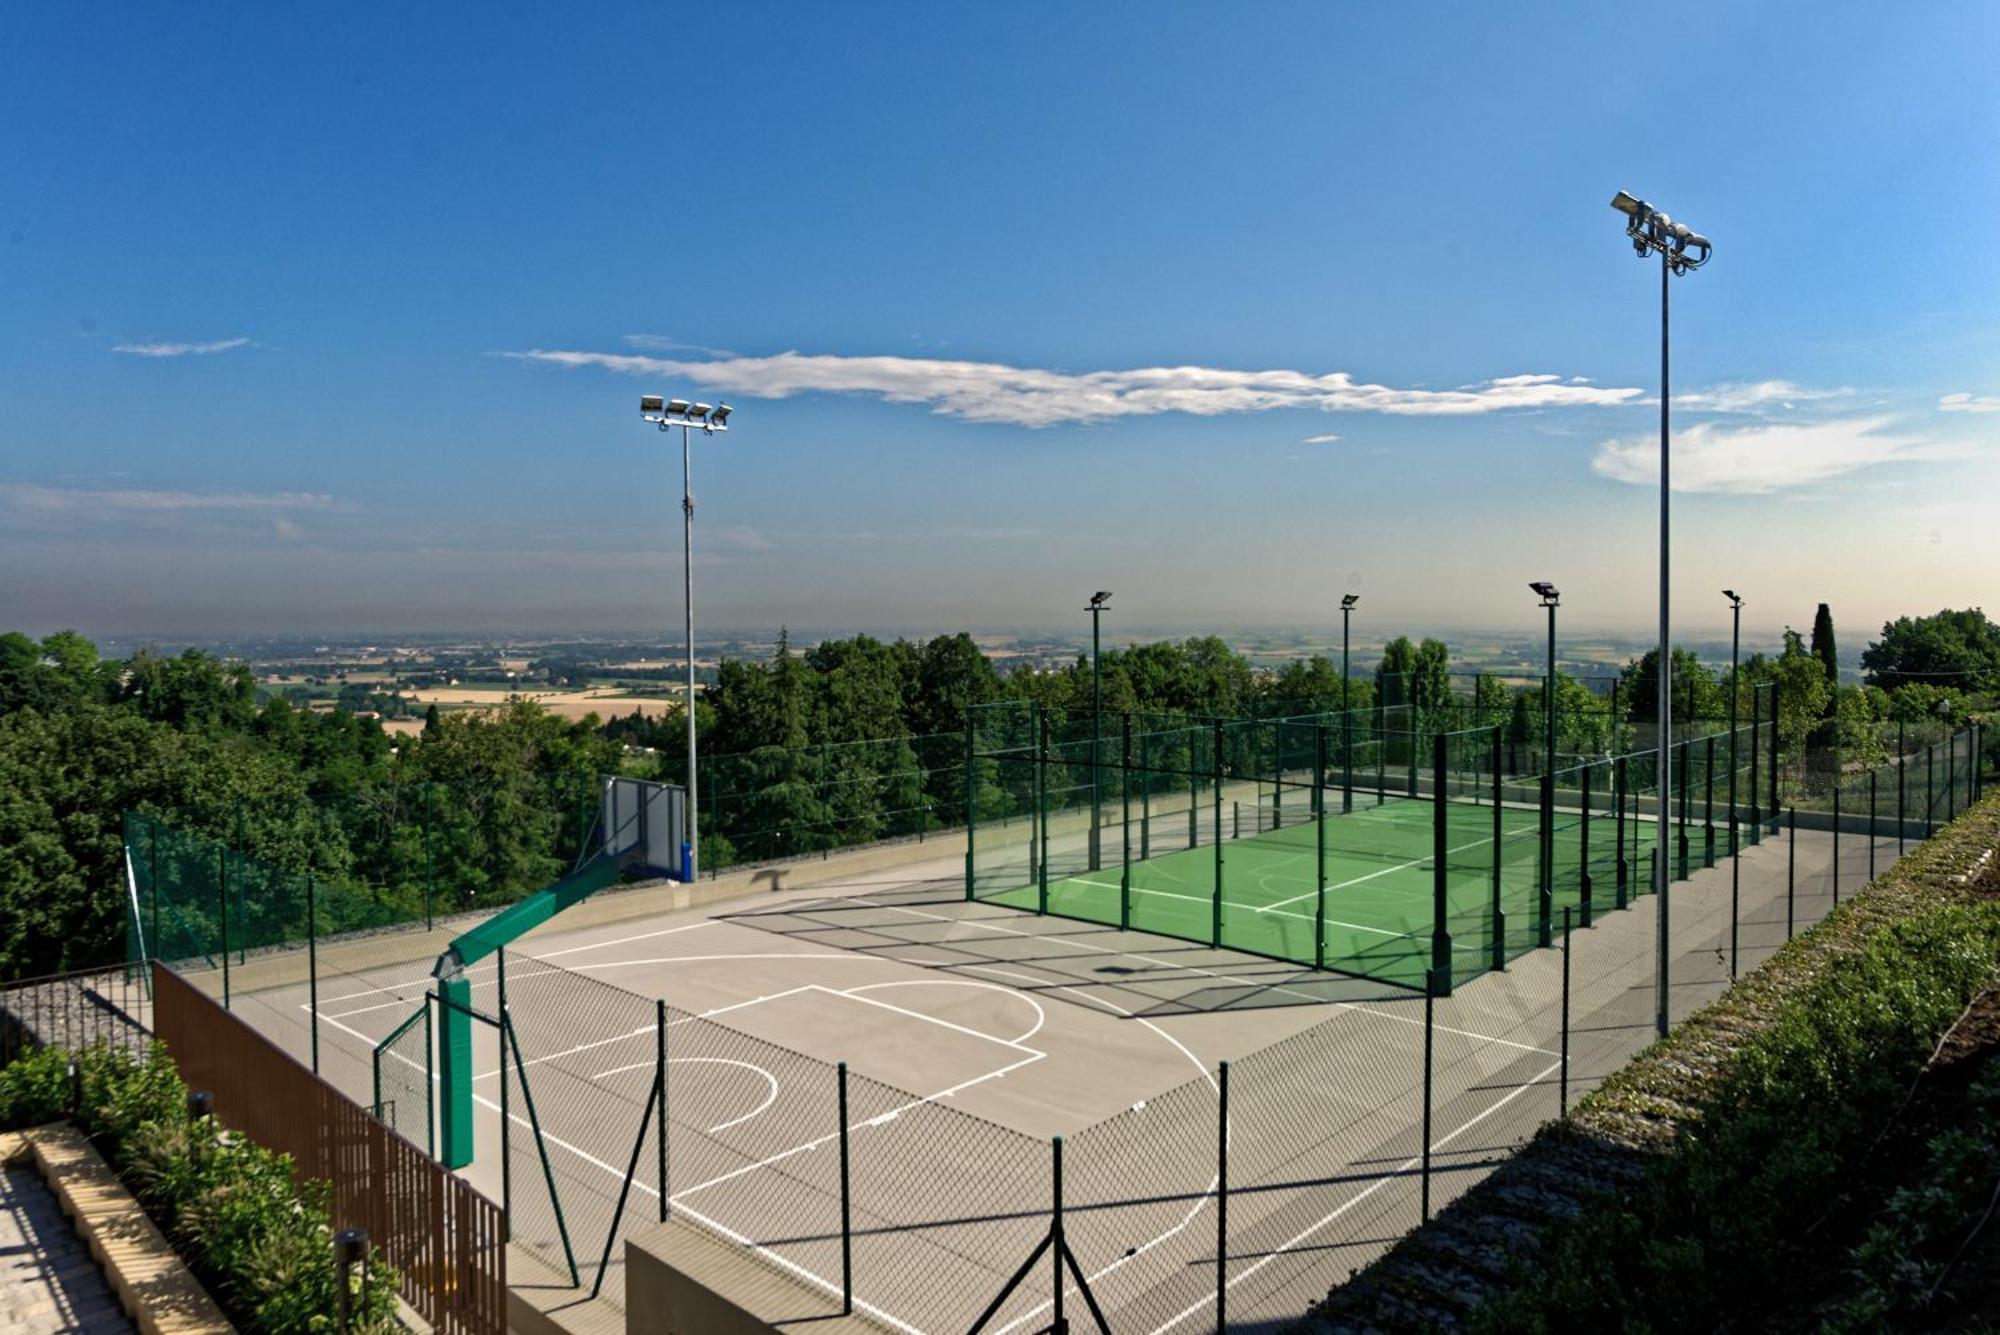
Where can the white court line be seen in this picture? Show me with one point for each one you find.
(769, 1098)
(675, 1199)
(1219, 976)
(1314, 1227)
(1272, 908)
(1201, 1201)
(625, 940)
(1404, 866)
(1041, 1016)
(882, 1119)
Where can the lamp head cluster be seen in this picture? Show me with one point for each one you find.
(668, 413)
(1652, 231)
(1348, 600)
(1098, 600)
(1546, 592)
(1735, 601)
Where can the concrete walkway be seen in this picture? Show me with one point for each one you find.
(49, 1282)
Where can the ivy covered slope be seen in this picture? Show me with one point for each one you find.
(1814, 1151)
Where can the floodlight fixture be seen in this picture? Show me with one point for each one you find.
(1099, 599)
(1348, 600)
(1681, 249)
(1546, 592)
(667, 414)
(1731, 595)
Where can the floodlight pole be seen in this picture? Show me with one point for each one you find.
(690, 860)
(667, 414)
(1680, 249)
(1664, 761)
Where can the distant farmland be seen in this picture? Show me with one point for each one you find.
(570, 705)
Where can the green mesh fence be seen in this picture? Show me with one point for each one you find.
(404, 1075)
(1317, 840)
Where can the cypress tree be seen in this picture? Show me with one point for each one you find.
(1822, 644)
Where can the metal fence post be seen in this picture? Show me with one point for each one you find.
(312, 967)
(847, 1210)
(1791, 870)
(506, 1122)
(428, 864)
(1836, 839)
(1708, 803)
(1319, 844)
(1125, 822)
(1562, 1097)
(1681, 825)
(1951, 778)
(153, 883)
(1583, 878)
(971, 806)
(1871, 825)
(1735, 905)
(1222, 1199)
(1498, 911)
(1215, 925)
(1056, 1220)
(660, 1070)
(1440, 885)
(1623, 874)
(1430, 1021)
(222, 900)
(1931, 790)
(1042, 810)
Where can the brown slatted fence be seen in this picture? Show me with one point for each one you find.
(447, 1242)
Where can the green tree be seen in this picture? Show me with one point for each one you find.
(1949, 648)
(1696, 694)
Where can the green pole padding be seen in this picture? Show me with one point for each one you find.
(455, 1072)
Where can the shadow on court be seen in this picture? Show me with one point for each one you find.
(933, 926)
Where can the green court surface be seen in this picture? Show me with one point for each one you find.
(1361, 904)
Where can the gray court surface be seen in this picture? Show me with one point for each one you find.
(974, 1033)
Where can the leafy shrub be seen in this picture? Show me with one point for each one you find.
(260, 1240)
(1709, 1235)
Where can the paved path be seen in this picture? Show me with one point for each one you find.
(49, 1282)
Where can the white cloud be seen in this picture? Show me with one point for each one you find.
(1766, 458)
(1969, 403)
(1326, 439)
(34, 497)
(1754, 396)
(662, 343)
(1030, 396)
(180, 349)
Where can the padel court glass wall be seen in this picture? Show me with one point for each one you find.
(1384, 843)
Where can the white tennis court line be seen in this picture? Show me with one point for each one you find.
(1403, 866)
(1210, 899)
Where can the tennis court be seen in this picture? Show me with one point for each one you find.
(1354, 891)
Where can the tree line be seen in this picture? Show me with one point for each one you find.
(849, 741)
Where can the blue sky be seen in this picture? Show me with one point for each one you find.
(324, 319)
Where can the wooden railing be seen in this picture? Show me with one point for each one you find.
(447, 1243)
